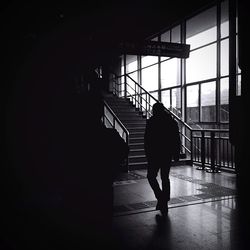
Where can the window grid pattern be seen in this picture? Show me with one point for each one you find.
(206, 71)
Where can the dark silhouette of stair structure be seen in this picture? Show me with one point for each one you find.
(135, 123)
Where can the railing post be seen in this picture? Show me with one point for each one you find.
(212, 151)
(125, 86)
(212, 146)
(191, 146)
(203, 154)
(127, 165)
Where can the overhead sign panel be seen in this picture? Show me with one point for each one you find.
(154, 48)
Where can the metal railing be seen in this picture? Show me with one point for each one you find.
(110, 120)
(144, 101)
(212, 149)
(206, 147)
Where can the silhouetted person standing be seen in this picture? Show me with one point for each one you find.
(162, 144)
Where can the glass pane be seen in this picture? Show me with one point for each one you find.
(165, 37)
(155, 95)
(148, 60)
(176, 101)
(238, 87)
(143, 101)
(201, 64)
(122, 73)
(151, 100)
(224, 100)
(149, 77)
(238, 70)
(224, 28)
(176, 34)
(163, 58)
(131, 84)
(202, 38)
(192, 103)
(170, 73)
(131, 63)
(201, 29)
(224, 53)
(165, 98)
(155, 39)
(208, 102)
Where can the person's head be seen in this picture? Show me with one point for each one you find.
(158, 109)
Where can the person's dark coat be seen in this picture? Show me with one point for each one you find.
(162, 137)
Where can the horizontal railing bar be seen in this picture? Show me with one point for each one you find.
(209, 137)
(211, 130)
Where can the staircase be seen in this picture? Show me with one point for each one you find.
(135, 123)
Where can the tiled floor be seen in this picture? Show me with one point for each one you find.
(202, 212)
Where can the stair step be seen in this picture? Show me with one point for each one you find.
(135, 125)
(120, 105)
(125, 112)
(135, 130)
(136, 145)
(127, 122)
(136, 140)
(135, 152)
(137, 119)
(137, 158)
(129, 117)
(134, 134)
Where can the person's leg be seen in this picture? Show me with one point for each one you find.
(165, 169)
(165, 182)
(151, 175)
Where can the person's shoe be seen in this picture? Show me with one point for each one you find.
(164, 210)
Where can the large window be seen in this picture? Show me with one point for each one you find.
(201, 64)
(224, 100)
(149, 78)
(131, 85)
(148, 60)
(193, 103)
(208, 102)
(165, 98)
(196, 88)
(201, 29)
(131, 63)
(170, 73)
(176, 101)
(224, 26)
(224, 66)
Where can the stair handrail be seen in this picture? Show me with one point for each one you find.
(147, 93)
(185, 137)
(116, 119)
